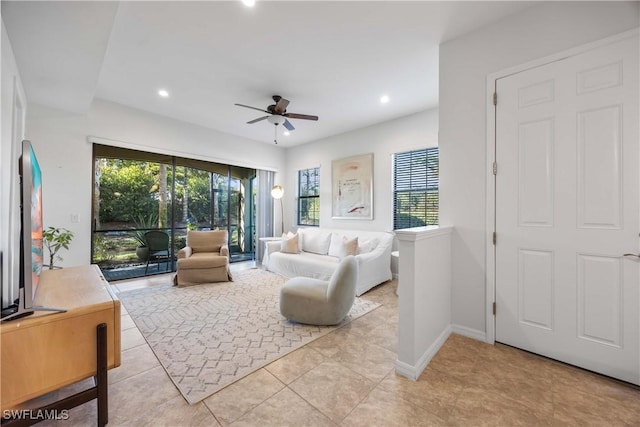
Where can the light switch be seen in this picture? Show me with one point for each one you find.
(75, 218)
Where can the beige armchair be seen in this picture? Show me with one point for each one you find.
(205, 259)
(317, 302)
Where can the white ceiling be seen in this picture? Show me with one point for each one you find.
(332, 59)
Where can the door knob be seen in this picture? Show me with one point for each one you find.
(632, 255)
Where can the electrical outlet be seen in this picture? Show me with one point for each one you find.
(75, 218)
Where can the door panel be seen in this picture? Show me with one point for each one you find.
(600, 168)
(567, 208)
(535, 283)
(535, 158)
(600, 299)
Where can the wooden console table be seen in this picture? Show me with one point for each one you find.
(47, 351)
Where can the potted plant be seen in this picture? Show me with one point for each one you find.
(142, 251)
(55, 239)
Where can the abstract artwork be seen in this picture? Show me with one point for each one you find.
(352, 187)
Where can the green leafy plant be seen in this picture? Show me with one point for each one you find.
(142, 224)
(139, 236)
(104, 249)
(55, 239)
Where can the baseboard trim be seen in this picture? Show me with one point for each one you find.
(413, 372)
(469, 332)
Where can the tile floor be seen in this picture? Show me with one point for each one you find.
(347, 378)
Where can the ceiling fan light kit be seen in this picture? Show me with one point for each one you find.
(278, 114)
(276, 120)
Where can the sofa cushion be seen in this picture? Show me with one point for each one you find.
(304, 264)
(366, 245)
(202, 260)
(315, 241)
(289, 243)
(341, 246)
(207, 241)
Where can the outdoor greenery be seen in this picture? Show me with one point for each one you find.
(130, 192)
(134, 196)
(416, 209)
(105, 249)
(143, 224)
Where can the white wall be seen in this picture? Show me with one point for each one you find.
(12, 114)
(424, 305)
(419, 130)
(60, 141)
(464, 65)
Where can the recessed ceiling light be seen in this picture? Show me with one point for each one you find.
(163, 93)
(384, 99)
(249, 3)
(286, 133)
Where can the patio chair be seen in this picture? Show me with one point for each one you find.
(158, 244)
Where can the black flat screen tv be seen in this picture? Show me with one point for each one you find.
(31, 229)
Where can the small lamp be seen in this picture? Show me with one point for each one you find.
(277, 192)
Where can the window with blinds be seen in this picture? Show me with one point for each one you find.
(415, 188)
(309, 197)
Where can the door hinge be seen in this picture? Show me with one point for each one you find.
(494, 308)
(495, 237)
(495, 98)
(495, 168)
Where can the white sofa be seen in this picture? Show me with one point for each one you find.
(313, 260)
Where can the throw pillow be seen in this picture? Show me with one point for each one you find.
(341, 246)
(300, 233)
(289, 243)
(350, 246)
(316, 242)
(366, 246)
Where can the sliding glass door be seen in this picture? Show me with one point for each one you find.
(137, 192)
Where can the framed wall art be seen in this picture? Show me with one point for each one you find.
(352, 187)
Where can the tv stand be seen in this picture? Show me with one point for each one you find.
(45, 352)
(99, 392)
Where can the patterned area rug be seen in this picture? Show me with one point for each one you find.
(208, 336)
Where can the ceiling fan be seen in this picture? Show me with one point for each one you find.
(278, 113)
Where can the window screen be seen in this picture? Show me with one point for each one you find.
(309, 197)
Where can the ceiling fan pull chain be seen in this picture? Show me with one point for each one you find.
(275, 134)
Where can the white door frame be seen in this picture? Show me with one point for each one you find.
(490, 265)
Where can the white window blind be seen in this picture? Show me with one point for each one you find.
(415, 188)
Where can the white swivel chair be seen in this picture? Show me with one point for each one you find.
(317, 302)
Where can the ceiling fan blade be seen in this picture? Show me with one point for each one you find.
(257, 120)
(300, 116)
(253, 108)
(288, 125)
(281, 106)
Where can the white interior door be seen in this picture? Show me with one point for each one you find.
(567, 191)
